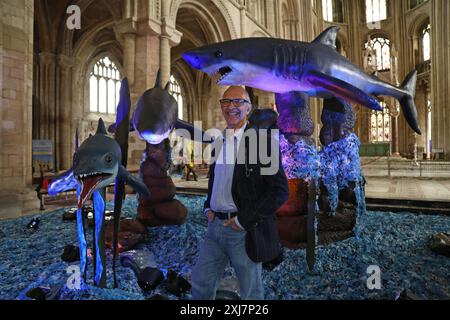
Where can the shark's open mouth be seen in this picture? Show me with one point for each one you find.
(88, 184)
(223, 72)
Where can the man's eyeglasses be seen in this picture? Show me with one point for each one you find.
(236, 102)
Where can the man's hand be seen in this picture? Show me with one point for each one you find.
(233, 224)
(211, 216)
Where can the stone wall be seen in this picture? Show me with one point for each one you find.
(16, 74)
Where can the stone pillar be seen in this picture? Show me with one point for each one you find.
(270, 6)
(440, 77)
(165, 59)
(46, 63)
(65, 136)
(127, 30)
(16, 78)
(242, 11)
(129, 53)
(395, 150)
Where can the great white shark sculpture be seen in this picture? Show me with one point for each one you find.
(315, 68)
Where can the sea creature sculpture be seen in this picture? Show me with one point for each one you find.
(156, 115)
(96, 164)
(315, 68)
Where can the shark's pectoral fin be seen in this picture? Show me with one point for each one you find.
(63, 182)
(112, 128)
(134, 182)
(195, 134)
(341, 89)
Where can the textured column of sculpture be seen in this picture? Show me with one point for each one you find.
(341, 189)
(301, 164)
(337, 168)
(160, 208)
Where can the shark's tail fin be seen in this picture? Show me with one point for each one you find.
(407, 101)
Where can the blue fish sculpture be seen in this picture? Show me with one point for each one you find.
(96, 164)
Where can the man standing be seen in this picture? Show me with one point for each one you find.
(241, 209)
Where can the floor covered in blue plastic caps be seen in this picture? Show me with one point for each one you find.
(397, 243)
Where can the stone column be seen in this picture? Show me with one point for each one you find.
(164, 59)
(65, 136)
(395, 114)
(129, 53)
(440, 77)
(242, 11)
(46, 63)
(270, 6)
(16, 78)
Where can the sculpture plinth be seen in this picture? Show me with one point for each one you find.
(335, 170)
(160, 208)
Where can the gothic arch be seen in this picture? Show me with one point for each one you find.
(417, 24)
(66, 38)
(376, 34)
(42, 26)
(224, 15)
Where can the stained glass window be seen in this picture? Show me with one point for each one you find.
(104, 87)
(380, 125)
(175, 91)
(382, 47)
(376, 10)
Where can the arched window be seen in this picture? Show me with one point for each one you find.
(382, 48)
(380, 125)
(376, 10)
(104, 87)
(175, 91)
(426, 43)
(333, 10)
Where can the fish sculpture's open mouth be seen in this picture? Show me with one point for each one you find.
(222, 73)
(89, 182)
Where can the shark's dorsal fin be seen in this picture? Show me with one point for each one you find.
(167, 87)
(158, 79)
(101, 129)
(328, 37)
(76, 140)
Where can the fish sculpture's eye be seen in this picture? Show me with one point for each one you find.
(218, 54)
(109, 158)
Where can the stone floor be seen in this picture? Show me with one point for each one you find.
(378, 187)
(425, 189)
